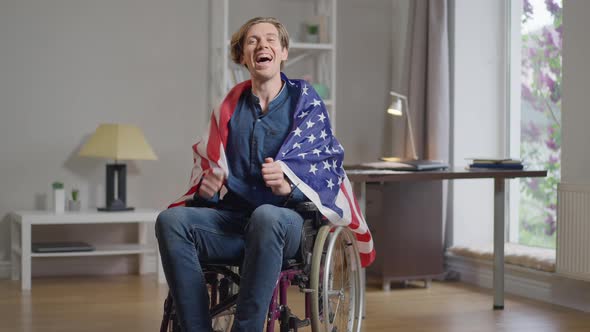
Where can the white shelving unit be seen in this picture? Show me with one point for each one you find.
(321, 57)
(22, 222)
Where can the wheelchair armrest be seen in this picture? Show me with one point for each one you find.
(306, 207)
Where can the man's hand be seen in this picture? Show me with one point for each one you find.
(211, 183)
(275, 178)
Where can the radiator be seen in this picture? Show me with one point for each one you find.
(573, 231)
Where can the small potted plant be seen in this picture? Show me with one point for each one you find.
(312, 35)
(74, 203)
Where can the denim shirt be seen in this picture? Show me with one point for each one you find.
(254, 136)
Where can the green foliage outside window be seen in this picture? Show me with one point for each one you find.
(541, 125)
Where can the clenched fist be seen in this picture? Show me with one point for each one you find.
(211, 183)
(275, 178)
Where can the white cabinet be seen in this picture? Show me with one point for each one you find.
(21, 223)
(306, 59)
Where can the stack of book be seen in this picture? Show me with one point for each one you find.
(495, 163)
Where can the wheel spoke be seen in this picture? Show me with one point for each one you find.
(338, 283)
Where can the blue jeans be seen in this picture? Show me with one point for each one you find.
(189, 236)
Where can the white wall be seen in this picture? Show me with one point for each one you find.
(575, 155)
(478, 112)
(68, 65)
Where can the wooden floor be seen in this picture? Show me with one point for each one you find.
(133, 303)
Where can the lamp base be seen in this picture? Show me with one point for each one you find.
(116, 205)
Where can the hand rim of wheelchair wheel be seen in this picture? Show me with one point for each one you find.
(336, 309)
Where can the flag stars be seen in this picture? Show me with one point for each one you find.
(311, 138)
(316, 152)
(339, 181)
(334, 164)
(316, 102)
(297, 132)
(309, 124)
(303, 114)
(327, 164)
(296, 146)
(322, 117)
(305, 90)
(330, 184)
(313, 169)
(328, 150)
(302, 155)
(323, 135)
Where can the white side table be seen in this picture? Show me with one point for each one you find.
(21, 255)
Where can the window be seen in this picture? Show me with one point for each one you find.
(538, 108)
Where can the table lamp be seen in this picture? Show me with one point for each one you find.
(397, 109)
(117, 142)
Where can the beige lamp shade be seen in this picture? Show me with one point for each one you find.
(118, 142)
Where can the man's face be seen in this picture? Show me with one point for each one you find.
(263, 52)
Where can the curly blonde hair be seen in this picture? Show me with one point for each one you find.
(237, 39)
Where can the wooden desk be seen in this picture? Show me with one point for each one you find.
(360, 176)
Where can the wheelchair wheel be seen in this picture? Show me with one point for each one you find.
(220, 290)
(335, 282)
(222, 306)
(222, 322)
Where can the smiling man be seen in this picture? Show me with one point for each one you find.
(269, 147)
(262, 45)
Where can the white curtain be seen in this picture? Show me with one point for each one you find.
(424, 78)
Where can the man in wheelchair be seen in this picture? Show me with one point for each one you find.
(269, 147)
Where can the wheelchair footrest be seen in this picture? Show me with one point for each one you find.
(290, 322)
(297, 323)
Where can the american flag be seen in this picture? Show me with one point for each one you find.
(311, 157)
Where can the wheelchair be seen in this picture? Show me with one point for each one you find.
(326, 270)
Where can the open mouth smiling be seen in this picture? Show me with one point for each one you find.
(263, 58)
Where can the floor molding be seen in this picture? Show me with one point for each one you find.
(538, 285)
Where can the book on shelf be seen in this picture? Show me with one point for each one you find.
(51, 247)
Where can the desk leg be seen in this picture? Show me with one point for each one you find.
(499, 198)
(25, 257)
